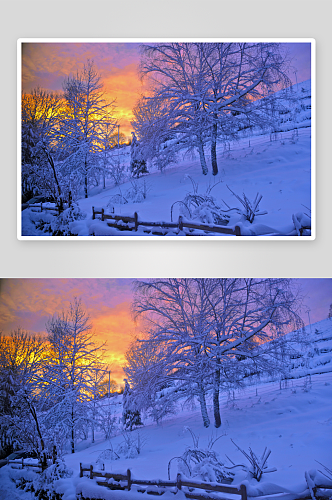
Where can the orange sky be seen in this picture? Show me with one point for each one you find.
(47, 65)
(29, 303)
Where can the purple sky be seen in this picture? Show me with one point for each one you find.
(29, 303)
(47, 65)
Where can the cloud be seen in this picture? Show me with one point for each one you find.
(29, 303)
(48, 64)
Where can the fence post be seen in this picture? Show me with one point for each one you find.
(178, 478)
(91, 471)
(243, 491)
(44, 461)
(180, 223)
(102, 214)
(22, 462)
(54, 454)
(136, 220)
(129, 479)
(93, 213)
(41, 206)
(237, 231)
(81, 472)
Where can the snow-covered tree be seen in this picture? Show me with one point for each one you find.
(210, 333)
(22, 358)
(204, 86)
(152, 124)
(41, 142)
(137, 160)
(69, 376)
(86, 113)
(131, 417)
(106, 138)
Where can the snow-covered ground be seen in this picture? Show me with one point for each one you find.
(293, 419)
(278, 167)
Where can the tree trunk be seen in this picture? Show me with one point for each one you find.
(202, 155)
(51, 162)
(85, 178)
(72, 432)
(216, 407)
(214, 146)
(202, 402)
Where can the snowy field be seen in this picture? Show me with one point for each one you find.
(277, 167)
(293, 419)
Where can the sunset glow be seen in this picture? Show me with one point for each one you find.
(46, 65)
(30, 303)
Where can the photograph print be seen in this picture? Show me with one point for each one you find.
(133, 138)
(116, 388)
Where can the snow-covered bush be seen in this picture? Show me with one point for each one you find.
(117, 172)
(41, 220)
(257, 465)
(202, 463)
(45, 486)
(116, 199)
(138, 191)
(132, 444)
(201, 207)
(107, 420)
(106, 456)
(62, 224)
(250, 209)
(302, 223)
(138, 167)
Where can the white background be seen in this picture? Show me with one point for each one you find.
(160, 18)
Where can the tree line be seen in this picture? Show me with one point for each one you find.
(49, 385)
(67, 137)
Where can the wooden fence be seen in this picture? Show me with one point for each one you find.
(312, 491)
(40, 465)
(158, 487)
(181, 224)
(45, 207)
(21, 464)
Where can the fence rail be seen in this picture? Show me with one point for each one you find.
(181, 224)
(145, 484)
(26, 464)
(46, 207)
(311, 489)
(132, 223)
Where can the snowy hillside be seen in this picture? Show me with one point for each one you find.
(292, 419)
(318, 358)
(276, 165)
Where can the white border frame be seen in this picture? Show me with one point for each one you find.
(312, 41)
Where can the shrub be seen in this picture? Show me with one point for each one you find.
(250, 208)
(45, 485)
(202, 463)
(202, 207)
(61, 226)
(257, 465)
